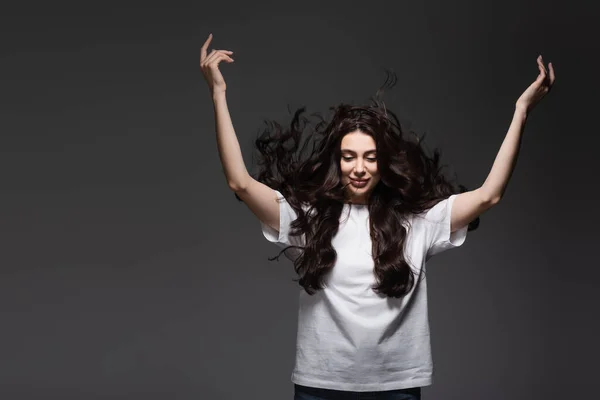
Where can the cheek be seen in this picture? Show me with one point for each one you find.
(376, 176)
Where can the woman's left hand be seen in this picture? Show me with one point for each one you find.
(538, 89)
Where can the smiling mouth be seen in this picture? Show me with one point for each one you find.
(359, 184)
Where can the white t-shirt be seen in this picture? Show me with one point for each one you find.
(349, 337)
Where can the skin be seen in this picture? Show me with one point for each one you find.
(358, 161)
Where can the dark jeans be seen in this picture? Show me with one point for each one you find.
(310, 393)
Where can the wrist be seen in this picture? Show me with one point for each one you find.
(521, 110)
(218, 94)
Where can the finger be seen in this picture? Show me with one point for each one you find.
(547, 80)
(220, 57)
(205, 47)
(543, 65)
(214, 53)
(541, 76)
(220, 51)
(216, 59)
(552, 73)
(540, 62)
(209, 57)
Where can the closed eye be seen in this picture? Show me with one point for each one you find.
(370, 159)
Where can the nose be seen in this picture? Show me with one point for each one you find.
(359, 168)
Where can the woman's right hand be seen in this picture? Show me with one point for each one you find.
(209, 64)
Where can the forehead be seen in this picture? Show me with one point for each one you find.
(358, 141)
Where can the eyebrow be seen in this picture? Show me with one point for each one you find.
(353, 152)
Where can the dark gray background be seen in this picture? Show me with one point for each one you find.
(128, 268)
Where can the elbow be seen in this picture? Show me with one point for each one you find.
(492, 201)
(489, 199)
(239, 183)
(236, 186)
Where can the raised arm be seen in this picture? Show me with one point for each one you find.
(260, 199)
(469, 205)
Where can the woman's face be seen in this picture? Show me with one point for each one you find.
(358, 164)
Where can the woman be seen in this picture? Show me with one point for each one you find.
(367, 200)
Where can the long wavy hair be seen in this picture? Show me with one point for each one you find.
(307, 173)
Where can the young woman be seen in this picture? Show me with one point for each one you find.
(359, 215)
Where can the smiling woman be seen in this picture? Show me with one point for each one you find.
(364, 209)
(361, 156)
(358, 166)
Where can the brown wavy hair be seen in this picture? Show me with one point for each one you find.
(307, 173)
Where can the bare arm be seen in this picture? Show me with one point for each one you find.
(229, 148)
(502, 169)
(469, 205)
(259, 198)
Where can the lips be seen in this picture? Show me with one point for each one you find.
(359, 180)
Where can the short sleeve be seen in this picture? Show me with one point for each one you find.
(286, 216)
(437, 223)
